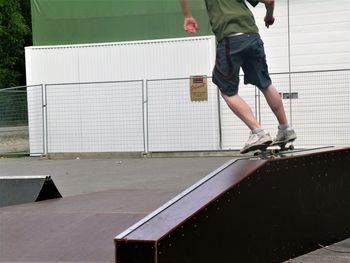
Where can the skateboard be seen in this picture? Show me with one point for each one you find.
(277, 149)
(271, 151)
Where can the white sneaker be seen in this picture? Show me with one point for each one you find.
(256, 141)
(284, 136)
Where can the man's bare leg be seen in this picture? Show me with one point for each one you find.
(285, 132)
(242, 111)
(258, 135)
(274, 100)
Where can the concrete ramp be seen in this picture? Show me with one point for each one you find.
(249, 210)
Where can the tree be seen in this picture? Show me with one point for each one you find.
(15, 33)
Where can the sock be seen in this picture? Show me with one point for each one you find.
(283, 126)
(258, 130)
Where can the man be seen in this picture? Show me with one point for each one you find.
(239, 45)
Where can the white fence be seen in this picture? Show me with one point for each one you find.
(175, 123)
(95, 117)
(158, 115)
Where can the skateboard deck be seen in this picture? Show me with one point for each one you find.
(271, 151)
(275, 150)
(265, 150)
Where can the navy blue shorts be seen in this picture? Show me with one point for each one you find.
(232, 53)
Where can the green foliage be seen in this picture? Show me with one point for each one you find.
(14, 35)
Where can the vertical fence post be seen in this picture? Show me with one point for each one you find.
(257, 105)
(145, 115)
(44, 112)
(219, 120)
(289, 65)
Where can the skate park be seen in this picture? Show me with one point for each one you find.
(191, 209)
(118, 160)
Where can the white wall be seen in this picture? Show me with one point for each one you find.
(319, 34)
(315, 36)
(138, 60)
(80, 117)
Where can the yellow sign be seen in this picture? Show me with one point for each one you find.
(198, 88)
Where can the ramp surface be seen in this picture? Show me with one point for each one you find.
(72, 229)
(25, 189)
(249, 211)
(101, 197)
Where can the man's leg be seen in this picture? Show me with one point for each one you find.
(285, 132)
(274, 100)
(258, 135)
(242, 111)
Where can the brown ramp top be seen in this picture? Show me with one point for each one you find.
(249, 210)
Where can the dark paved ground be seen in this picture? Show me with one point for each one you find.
(101, 198)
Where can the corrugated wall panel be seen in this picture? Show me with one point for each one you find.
(36, 116)
(319, 39)
(51, 65)
(86, 129)
(275, 37)
(98, 117)
(171, 58)
(175, 123)
(146, 60)
(320, 35)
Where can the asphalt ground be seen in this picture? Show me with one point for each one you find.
(105, 190)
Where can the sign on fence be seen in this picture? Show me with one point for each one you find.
(199, 88)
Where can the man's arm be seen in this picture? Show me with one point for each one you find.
(270, 7)
(190, 24)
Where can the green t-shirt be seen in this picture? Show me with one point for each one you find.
(230, 17)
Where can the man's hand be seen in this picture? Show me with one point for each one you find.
(269, 20)
(270, 6)
(190, 24)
